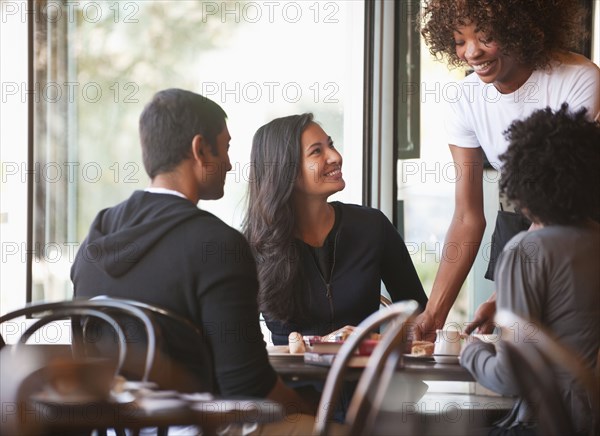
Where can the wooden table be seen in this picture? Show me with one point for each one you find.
(450, 414)
(64, 418)
(294, 369)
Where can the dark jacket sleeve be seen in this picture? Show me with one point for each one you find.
(230, 317)
(398, 271)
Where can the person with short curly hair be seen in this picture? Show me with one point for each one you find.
(552, 168)
(518, 51)
(549, 275)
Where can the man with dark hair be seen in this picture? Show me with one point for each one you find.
(170, 121)
(549, 275)
(158, 247)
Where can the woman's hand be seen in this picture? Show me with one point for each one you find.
(339, 334)
(424, 328)
(343, 333)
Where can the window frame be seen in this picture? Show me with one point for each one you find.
(33, 238)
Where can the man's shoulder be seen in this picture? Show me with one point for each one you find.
(195, 223)
(550, 239)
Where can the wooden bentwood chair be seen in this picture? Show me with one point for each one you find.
(118, 314)
(23, 365)
(370, 390)
(168, 325)
(535, 362)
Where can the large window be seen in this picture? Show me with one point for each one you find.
(426, 184)
(95, 65)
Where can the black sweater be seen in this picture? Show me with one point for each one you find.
(161, 249)
(367, 250)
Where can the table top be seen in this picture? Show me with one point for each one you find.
(294, 369)
(209, 415)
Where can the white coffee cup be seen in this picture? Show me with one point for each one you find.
(447, 342)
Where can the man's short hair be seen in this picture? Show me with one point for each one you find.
(169, 123)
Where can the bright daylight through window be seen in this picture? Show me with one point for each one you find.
(96, 63)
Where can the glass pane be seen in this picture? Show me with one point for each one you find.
(13, 157)
(258, 60)
(426, 185)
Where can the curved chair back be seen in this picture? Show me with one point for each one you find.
(384, 301)
(23, 366)
(533, 364)
(193, 366)
(65, 312)
(374, 382)
(69, 308)
(399, 312)
(127, 310)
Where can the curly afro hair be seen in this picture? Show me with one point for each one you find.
(552, 166)
(530, 31)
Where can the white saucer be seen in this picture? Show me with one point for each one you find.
(423, 357)
(446, 358)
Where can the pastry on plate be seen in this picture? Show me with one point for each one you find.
(422, 348)
(296, 343)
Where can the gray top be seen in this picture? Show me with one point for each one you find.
(550, 275)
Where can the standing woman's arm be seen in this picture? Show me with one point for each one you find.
(461, 243)
(397, 270)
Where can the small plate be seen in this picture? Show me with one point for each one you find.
(197, 397)
(134, 385)
(286, 356)
(51, 398)
(278, 349)
(156, 405)
(220, 405)
(423, 357)
(283, 352)
(446, 358)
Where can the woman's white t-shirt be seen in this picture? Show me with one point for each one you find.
(478, 114)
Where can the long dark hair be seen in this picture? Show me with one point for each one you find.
(270, 221)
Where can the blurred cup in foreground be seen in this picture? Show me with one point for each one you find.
(89, 379)
(447, 342)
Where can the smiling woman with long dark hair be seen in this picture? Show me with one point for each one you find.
(320, 264)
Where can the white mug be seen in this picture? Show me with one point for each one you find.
(447, 342)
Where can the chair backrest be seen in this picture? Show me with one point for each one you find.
(23, 366)
(68, 309)
(189, 369)
(384, 301)
(375, 380)
(121, 310)
(534, 364)
(75, 312)
(399, 312)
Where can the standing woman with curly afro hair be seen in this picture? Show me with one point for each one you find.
(518, 51)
